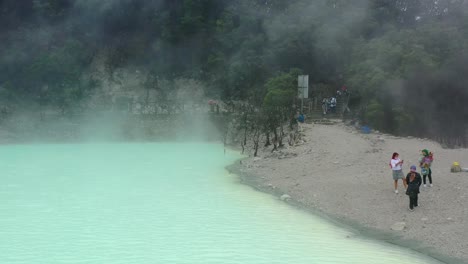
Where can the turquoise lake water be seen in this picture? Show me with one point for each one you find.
(158, 203)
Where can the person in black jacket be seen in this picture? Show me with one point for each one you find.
(413, 179)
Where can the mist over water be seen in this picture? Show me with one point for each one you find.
(158, 203)
(113, 127)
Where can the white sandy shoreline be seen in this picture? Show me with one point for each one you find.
(345, 175)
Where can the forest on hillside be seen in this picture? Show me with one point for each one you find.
(404, 61)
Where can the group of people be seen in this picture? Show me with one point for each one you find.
(329, 105)
(342, 91)
(413, 179)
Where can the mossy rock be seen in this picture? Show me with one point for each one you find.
(455, 168)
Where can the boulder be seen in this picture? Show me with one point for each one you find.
(398, 226)
(285, 197)
(455, 167)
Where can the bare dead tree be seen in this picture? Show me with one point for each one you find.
(245, 126)
(257, 131)
(267, 141)
(275, 140)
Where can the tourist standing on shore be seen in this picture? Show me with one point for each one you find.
(425, 163)
(413, 179)
(300, 121)
(324, 105)
(397, 171)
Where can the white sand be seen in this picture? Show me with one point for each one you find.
(346, 175)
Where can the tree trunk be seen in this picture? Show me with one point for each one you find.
(275, 140)
(267, 143)
(245, 136)
(281, 135)
(256, 141)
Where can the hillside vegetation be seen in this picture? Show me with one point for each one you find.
(404, 61)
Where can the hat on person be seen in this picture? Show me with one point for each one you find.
(425, 152)
(413, 168)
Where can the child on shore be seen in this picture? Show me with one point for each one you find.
(413, 179)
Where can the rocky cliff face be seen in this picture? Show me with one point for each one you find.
(127, 104)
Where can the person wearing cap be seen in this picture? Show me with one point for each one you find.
(413, 179)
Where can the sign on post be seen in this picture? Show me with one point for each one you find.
(303, 89)
(303, 86)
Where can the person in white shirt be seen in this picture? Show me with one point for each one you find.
(397, 171)
(333, 105)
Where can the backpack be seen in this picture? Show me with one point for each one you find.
(424, 171)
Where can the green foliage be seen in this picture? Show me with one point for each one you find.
(375, 114)
(281, 89)
(404, 120)
(52, 10)
(236, 48)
